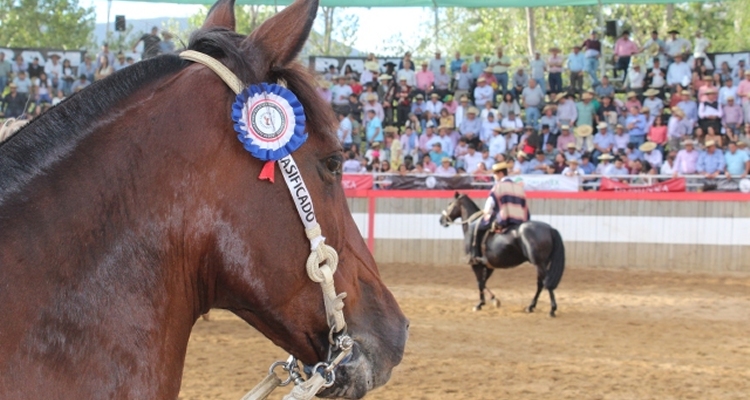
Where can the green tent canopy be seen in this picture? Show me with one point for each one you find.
(438, 3)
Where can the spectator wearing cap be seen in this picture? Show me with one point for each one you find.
(565, 138)
(482, 93)
(686, 161)
(737, 162)
(442, 82)
(538, 165)
(533, 98)
(497, 143)
(710, 111)
(567, 112)
(605, 88)
(678, 74)
(636, 125)
(624, 50)
(711, 161)
(592, 50)
(538, 67)
(374, 128)
(445, 168)
(732, 119)
(555, 68)
(573, 168)
(576, 63)
(500, 64)
(477, 66)
(728, 90)
(604, 140)
(437, 153)
(621, 138)
(14, 103)
(651, 154)
(80, 84)
(425, 79)
(655, 105)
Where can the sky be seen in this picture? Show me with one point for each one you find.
(400, 21)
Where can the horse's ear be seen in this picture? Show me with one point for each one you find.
(457, 195)
(221, 15)
(282, 36)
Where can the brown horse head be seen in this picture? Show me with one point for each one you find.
(131, 208)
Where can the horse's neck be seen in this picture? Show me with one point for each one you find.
(468, 208)
(97, 245)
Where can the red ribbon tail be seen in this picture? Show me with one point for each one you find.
(268, 172)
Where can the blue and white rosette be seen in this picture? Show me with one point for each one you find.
(270, 123)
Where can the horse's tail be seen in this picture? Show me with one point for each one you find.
(557, 262)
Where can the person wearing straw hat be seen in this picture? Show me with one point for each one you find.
(549, 119)
(497, 144)
(632, 101)
(571, 153)
(686, 162)
(650, 154)
(688, 105)
(445, 168)
(678, 128)
(636, 78)
(554, 69)
(462, 109)
(425, 79)
(655, 105)
(483, 93)
(471, 126)
(583, 135)
(434, 105)
(677, 46)
(710, 111)
(605, 164)
(371, 103)
(711, 161)
(573, 168)
(565, 138)
(521, 166)
(727, 90)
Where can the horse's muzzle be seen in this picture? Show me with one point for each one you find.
(368, 367)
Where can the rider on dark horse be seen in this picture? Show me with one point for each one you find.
(505, 208)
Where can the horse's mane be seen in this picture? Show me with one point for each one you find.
(11, 126)
(51, 136)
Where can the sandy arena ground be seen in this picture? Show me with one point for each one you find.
(618, 335)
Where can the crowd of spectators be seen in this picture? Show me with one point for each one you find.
(667, 110)
(30, 88)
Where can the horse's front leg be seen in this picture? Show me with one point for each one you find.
(481, 274)
(493, 299)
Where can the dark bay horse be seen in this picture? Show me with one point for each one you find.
(131, 208)
(532, 241)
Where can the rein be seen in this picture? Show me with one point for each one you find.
(320, 266)
(472, 218)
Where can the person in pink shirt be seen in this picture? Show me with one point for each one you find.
(425, 79)
(489, 77)
(708, 84)
(657, 133)
(743, 89)
(624, 49)
(633, 101)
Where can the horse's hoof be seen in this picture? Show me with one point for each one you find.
(496, 303)
(529, 309)
(552, 314)
(476, 308)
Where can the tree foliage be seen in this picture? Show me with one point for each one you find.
(59, 24)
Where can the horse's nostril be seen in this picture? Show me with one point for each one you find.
(408, 324)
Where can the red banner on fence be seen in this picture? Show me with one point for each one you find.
(357, 181)
(671, 185)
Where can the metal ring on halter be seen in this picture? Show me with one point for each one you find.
(284, 366)
(326, 371)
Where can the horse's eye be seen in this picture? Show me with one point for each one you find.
(334, 164)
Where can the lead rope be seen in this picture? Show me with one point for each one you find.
(320, 266)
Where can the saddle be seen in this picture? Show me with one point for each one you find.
(494, 229)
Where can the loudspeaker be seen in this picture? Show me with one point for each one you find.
(120, 23)
(611, 29)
